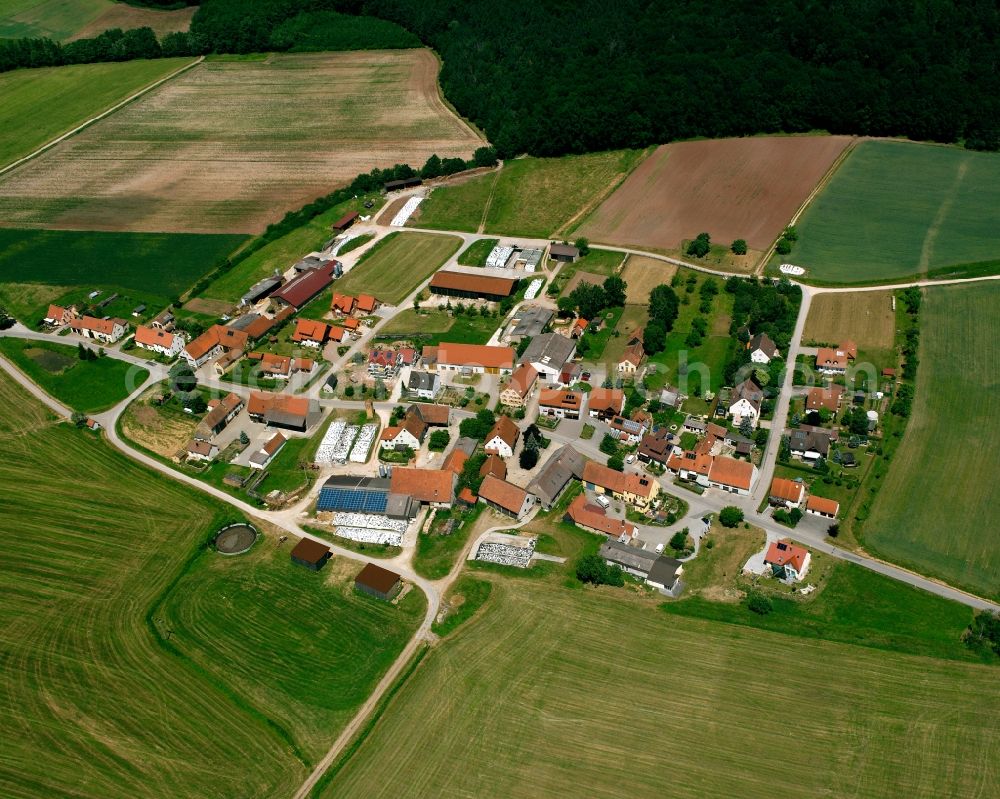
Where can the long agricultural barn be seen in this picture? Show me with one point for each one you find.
(348, 494)
(463, 284)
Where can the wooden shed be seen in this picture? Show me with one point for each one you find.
(311, 554)
(378, 582)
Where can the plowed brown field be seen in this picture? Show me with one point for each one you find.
(731, 188)
(231, 145)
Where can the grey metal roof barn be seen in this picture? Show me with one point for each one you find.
(531, 321)
(562, 467)
(632, 559)
(549, 349)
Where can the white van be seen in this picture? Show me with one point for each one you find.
(603, 501)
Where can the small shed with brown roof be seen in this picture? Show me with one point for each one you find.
(378, 582)
(506, 497)
(311, 554)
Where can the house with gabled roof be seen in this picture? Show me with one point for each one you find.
(745, 402)
(549, 353)
(595, 519)
(786, 493)
(632, 358)
(57, 315)
(560, 403)
(503, 437)
(516, 392)
(310, 333)
(505, 497)
(156, 339)
(262, 457)
(606, 403)
(835, 360)
(734, 476)
(633, 489)
(821, 506)
(788, 561)
(827, 397)
(214, 342)
(409, 433)
(762, 349)
(106, 331)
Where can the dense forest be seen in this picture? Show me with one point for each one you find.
(550, 76)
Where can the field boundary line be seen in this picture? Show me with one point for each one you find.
(820, 185)
(571, 224)
(489, 201)
(84, 125)
(64, 412)
(479, 134)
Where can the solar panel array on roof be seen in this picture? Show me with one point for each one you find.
(357, 500)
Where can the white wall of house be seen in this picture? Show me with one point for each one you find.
(500, 447)
(759, 356)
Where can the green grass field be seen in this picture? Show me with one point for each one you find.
(42, 266)
(547, 690)
(40, 104)
(458, 207)
(896, 210)
(477, 252)
(138, 662)
(395, 266)
(531, 196)
(282, 253)
(324, 646)
(434, 326)
(935, 509)
(84, 386)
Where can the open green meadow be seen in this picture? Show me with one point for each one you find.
(278, 255)
(897, 210)
(137, 661)
(84, 386)
(536, 197)
(936, 508)
(395, 266)
(323, 644)
(41, 104)
(42, 266)
(547, 689)
(456, 207)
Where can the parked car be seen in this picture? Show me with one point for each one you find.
(603, 501)
(659, 548)
(630, 459)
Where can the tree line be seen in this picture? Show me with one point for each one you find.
(547, 77)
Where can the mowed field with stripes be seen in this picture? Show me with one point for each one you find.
(552, 693)
(936, 511)
(137, 662)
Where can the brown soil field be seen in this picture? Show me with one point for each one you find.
(583, 277)
(207, 306)
(392, 209)
(866, 317)
(731, 188)
(642, 274)
(231, 145)
(127, 17)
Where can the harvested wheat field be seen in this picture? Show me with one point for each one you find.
(865, 317)
(642, 274)
(232, 144)
(732, 188)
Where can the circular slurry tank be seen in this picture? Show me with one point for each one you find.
(235, 539)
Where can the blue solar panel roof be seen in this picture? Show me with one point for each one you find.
(352, 500)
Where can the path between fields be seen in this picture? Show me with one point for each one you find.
(930, 238)
(145, 90)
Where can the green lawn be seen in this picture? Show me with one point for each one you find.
(896, 209)
(458, 207)
(531, 196)
(41, 104)
(436, 554)
(526, 700)
(280, 254)
(42, 266)
(477, 252)
(395, 266)
(324, 646)
(856, 606)
(435, 326)
(935, 509)
(84, 386)
(466, 596)
(596, 262)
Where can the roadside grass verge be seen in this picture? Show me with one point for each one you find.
(84, 386)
